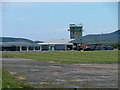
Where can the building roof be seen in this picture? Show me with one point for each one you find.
(58, 41)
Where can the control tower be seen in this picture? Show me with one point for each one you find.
(76, 33)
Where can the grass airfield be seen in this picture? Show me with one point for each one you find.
(63, 69)
(101, 56)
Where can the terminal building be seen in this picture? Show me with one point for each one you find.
(66, 44)
(59, 44)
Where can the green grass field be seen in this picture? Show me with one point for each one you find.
(101, 56)
(11, 81)
(0, 78)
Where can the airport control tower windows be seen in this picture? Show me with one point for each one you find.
(72, 28)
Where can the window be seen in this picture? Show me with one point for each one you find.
(72, 27)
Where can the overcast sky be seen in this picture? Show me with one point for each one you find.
(50, 20)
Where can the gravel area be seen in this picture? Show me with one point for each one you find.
(40, 73)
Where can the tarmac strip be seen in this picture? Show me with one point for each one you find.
(49, 74)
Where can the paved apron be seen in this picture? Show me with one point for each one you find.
(40, 73)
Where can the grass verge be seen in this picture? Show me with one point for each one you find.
(10, 81)
(103, 56)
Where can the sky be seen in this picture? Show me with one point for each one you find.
(50, 20)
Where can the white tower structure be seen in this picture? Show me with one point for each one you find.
(76, 33)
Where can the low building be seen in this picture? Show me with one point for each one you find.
(19, 46)
(58, 44)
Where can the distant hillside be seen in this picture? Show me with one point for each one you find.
(102, 38)
(11, 39)
(93, 38)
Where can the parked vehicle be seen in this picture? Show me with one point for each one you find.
(91, 47)
(108, 48)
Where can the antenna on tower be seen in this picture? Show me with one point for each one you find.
(81, 24)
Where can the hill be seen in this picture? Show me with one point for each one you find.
(11, 39)
(93, 38)
(102, 38)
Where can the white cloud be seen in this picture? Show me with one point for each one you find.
(108, 29)
(100, 31)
